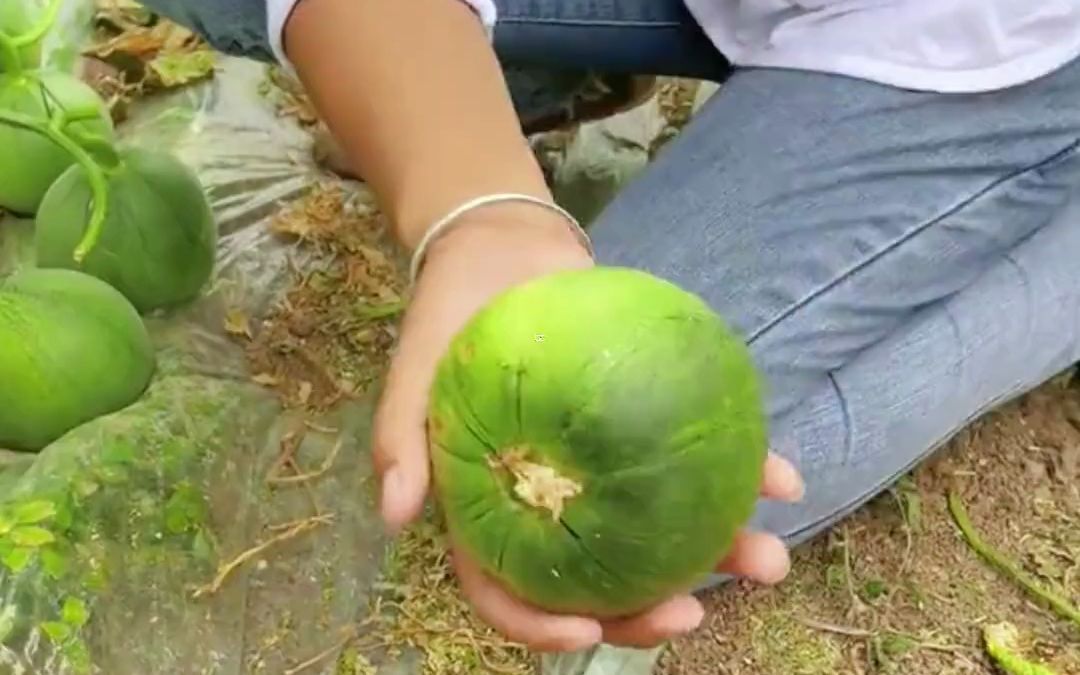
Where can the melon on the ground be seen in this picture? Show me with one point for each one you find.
(598, 438)
(30, 162)
(72, 349)
(158, 242)
(18, 17)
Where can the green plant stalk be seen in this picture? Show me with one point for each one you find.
(39, 30)
(99, 186)
(9, 54)
(103, 152)
(1057, 603)
(1000, 642)
(65, 119)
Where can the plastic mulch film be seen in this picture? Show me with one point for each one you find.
(116, 540)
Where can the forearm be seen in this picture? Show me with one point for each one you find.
(413, 92)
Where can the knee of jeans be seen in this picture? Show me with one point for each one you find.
(237, 27)
(798, 354)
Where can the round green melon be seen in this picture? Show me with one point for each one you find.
(30, 162)
(71, 349)
(597, 439)
(18, 17)
(158, 242)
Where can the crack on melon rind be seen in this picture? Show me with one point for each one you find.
(479, 501)
(444, 449)
(498, 565)
(468, 415)
(617, 578)
(477, 432)
(499, 560)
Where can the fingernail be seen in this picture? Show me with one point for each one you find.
(798, 491)
(780, 567)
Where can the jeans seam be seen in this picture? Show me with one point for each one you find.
(967, 202)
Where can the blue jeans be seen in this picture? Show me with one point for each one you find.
(899, 262)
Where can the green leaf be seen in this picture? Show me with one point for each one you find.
(34, 512)
(184, 510)
(85, 486)
(835, 576)
(202, 547)
(874, 589)
(77, 655)
(118, 453)
(54, 563)
(17, 559)
(7, 522)
(913, 511)
(64, 514)
(176, 69)
(894, 645)
(57, 631)
(74, 612)
(32, 536)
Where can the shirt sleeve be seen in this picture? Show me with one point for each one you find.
(278, 12)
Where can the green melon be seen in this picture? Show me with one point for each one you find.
(30, 162)
(18, 17)
(71, 349)
(158, 242)
(597, 440)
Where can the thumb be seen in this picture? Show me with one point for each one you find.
(400, 443)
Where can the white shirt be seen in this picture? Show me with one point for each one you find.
(932, 45)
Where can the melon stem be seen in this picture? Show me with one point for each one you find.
(99, 186)
(539, 486)
(64, 118)
(9, 55)
(103, 151)
(40, 29)
(1056, 602)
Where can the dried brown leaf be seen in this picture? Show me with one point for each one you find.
(238, 323)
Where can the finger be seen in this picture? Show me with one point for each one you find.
(400, 437)
(517, 621)
(671, 619)
(401, 452)
(782, 480)
(758, 556)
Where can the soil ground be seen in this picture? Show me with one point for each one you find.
(896, 589)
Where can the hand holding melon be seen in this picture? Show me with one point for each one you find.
(596, 439)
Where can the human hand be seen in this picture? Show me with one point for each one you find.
(489, 251)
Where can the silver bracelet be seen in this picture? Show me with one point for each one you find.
(446, 222)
